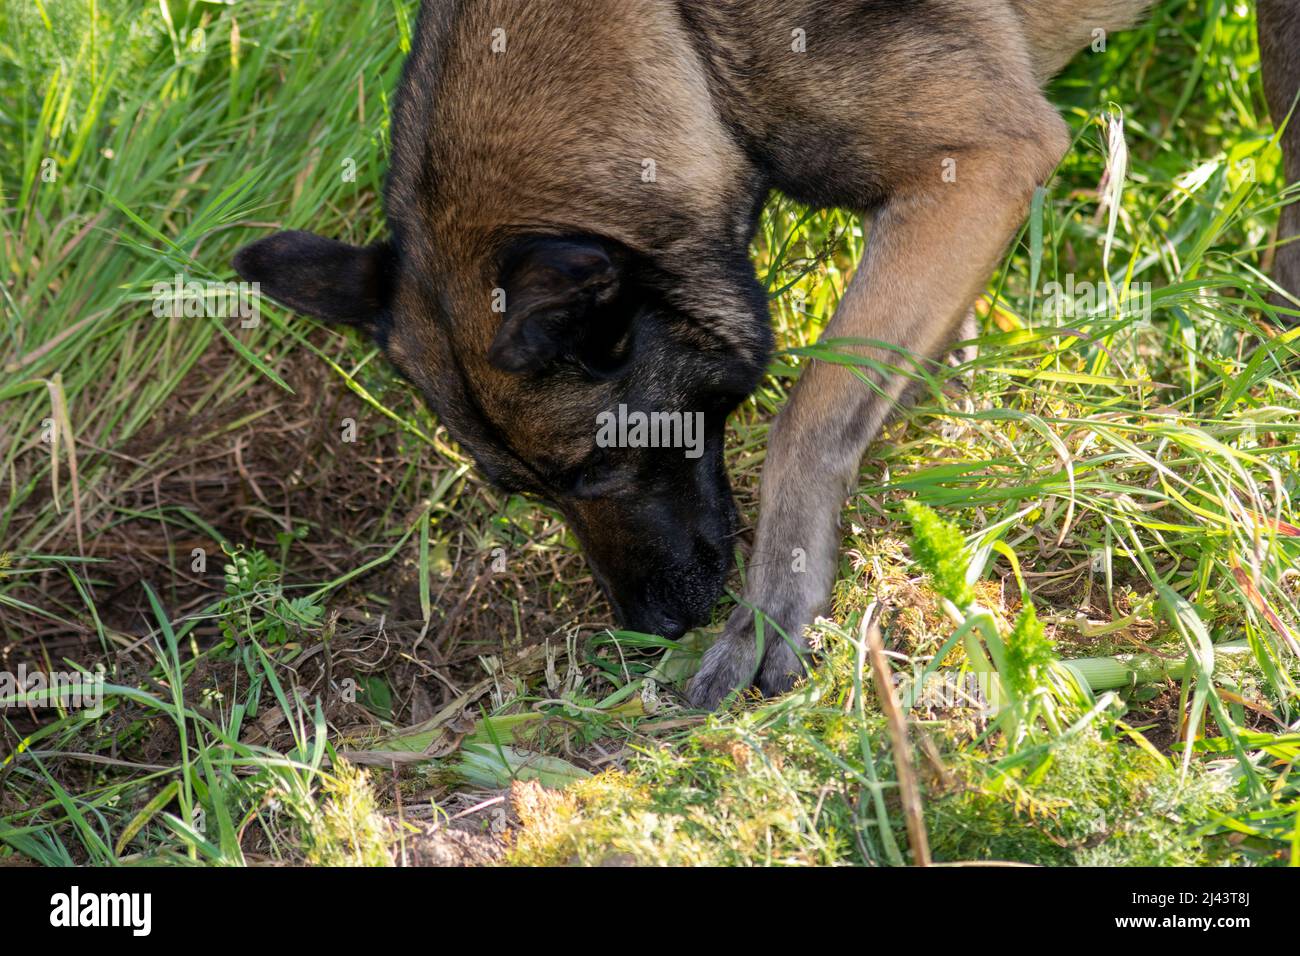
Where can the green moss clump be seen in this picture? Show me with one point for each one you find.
(347, 828)
(724, 796)
(1096, 804)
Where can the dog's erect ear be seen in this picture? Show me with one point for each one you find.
(558, 298)
(320, 277)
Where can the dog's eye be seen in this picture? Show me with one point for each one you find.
(595, 477)
(599, 487)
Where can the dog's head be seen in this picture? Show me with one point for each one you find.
(570, 220)
(559, 369)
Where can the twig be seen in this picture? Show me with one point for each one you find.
(897, 725)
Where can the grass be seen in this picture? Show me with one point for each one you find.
(274, 605)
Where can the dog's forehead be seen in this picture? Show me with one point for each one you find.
(526, 115)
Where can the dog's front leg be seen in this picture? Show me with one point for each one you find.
(931, 250)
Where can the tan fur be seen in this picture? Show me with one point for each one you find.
(550, 136)
(931, 249)
(525, 168)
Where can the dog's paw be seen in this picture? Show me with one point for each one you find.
(728, 665)
(782, 666)
(731, 663)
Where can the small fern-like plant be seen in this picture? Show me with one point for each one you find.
(1026, 686)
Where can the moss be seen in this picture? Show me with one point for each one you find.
(1096, 803)
(792, 794)
(723, 796)
(347, 829)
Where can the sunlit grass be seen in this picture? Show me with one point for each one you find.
(1132, 474)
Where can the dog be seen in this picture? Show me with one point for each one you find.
(572, 192)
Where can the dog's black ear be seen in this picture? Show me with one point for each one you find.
(558, 294)
(320, 277)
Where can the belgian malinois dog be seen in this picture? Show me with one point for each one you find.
(538, 277)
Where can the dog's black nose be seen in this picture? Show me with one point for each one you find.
(653, 621)
(671, 604)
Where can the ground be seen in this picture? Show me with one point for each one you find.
(325, 640)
